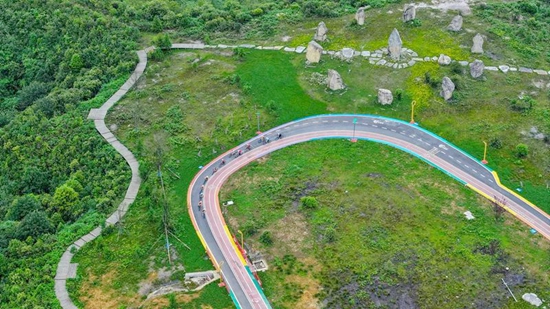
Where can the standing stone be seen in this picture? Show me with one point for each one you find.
(477, 48)
(409, 12)
(313, 53)
(456, 24)
(444, 60)
(394, 45)
(476, 68)
(385, 96)
(321, 33)
(447, 88)
(334, 81)
(360, 16)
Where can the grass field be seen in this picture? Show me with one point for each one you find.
(193, 105)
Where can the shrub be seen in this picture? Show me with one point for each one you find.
(266, 238)
(524, 104)
(522, 151)
(495, 143)
(309, 202)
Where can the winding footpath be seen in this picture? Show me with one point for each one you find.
(66, 269)
(203, 194)
(208, 220)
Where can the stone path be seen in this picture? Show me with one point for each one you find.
(66, 269)
(375, 57)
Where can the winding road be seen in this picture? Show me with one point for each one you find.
(204, 189)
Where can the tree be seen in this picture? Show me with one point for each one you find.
(162, 41)
(65, 201)
(23, 206)
(34, 224)
(30, 93)
(76, 62)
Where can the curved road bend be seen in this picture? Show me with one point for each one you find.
(210, 224)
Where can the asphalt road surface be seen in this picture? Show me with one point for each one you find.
(204, 189)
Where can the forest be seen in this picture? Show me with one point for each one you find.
(59, 58)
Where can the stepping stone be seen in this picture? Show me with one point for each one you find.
(289, 49)
(411, 63)
(381, 62)
(389, 64)
(331, 52)
(434, 58)
(427, 58)
(413, 54)
(513, 69)
(463, 63)
(222, 46)
(504, 68)
(247, 45)
(525, 70)
(379, 55)
(259, 47)
(418, 59)
(491, 68)
(300, 49)
(365, 53)
(540, 72)
(395, 65)
(324, 52)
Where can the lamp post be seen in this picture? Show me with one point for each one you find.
(353, 139)
(242, 238)
(484, 161)
(413, 103)
(258, 118)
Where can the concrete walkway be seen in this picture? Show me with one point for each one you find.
(66, 269)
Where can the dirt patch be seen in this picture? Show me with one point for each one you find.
(290, 234)
(310, 288)
(162, 302)
(93, 295)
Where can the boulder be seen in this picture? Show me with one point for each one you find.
(360, 16)
(395, 44)
(447, 88)
(313, 52)
(476, 68)
(531, 298)
(334, 81)
(444, 60)
(477, 48)
(385, 96)
(347, 53)
(456, 24)
(321, 32)
(409, 12)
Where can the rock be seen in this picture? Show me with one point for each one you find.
(411, 63)
(504, 68)
(447, 88)
(456, 24)
(381, 62)
(395, 44)
(532, 299)
(539, 136)
(491, 68)
(444, 60)
(365, 53)
(534, 130)
(347, 53)
(360, 16)
(477, 48)
(313, 52)
(300, 49)
(476, 68)
(334, 81)
(540, 72)
(321, 33)
(463, 63)
(113, 127)
(525, 70)
(409, 12)
(385, 97)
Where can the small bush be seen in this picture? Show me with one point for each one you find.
(414, 23)
(399, 94)
(523, 105)
(266, 238)
(522, 151)
(309, 202)
(495, 143)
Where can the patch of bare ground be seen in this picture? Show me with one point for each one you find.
(291, 234)
(99, 296)
(310, 288)
(162, 302)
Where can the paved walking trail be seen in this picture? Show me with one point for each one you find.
(66, 269)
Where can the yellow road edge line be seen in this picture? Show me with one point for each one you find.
(239, 253)
(492, 199)
(517, 195)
